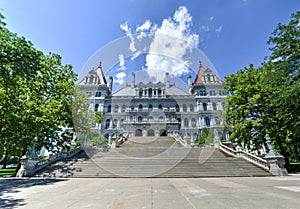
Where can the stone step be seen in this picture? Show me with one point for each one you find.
(153, 157)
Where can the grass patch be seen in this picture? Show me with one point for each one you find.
(7, 171)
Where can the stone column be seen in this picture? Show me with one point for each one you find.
(27, 167)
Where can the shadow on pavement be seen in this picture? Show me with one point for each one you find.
(13, 185)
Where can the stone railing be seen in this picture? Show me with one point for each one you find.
(262, 163)
(178, 138)
(54, 158)
(122, 139)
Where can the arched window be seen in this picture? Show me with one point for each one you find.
(186, 122)
(177, 108)
(204, 106)
(193, 122)
(191, 108)
(115, 122)
(150, 92)
(140, 119)
(121, 121)
(141, 93)
(123, 108)
(184, 108)
(214, 106)
(138, 132)
(116, 108)
(161, 118)
(159, 92)
(150, 107)
(98, 94)
(96, 107)
(109, 108)
(107, 122)
(150, 118)
(202, 92)
(160, 106)
(207, 121)
(140, 107)
(150, 132)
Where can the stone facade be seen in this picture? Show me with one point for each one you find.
(156, 109)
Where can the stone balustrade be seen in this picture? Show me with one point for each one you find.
(262, 163)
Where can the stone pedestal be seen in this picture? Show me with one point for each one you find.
(27, 167)
(276, 165)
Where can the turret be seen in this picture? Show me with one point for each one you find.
(190, 84)
(132, 80)
(110, 83)
(167, 80)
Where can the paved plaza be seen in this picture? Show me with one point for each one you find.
(165, 193)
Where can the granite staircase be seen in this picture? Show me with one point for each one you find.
(153, 157)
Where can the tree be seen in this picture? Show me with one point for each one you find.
(245, 107)
(36, 96)
(99, 119)
(83, 117)
(283, 82)
(206, 137)
(265, 101)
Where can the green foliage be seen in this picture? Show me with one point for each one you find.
(82, 115)
(265, 101)
(36, 96)
(206, 137)
(99, 117)
(98, 141)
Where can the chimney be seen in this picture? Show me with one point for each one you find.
(167, 80)
(110, 83)
(190, 81)
(132, 80)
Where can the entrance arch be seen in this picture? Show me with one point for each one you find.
(150, 132)
(138, 132)
(163, 132)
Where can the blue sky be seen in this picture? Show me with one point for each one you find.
(231, 33)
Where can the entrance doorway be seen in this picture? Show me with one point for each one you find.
(163, 132)
(150, 132)
(138, 132)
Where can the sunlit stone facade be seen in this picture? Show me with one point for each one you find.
(157, 109)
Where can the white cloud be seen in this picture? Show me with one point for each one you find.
(127, 30)
(121, 63)
(166, 46)
(211, 18)
(219, 29)
(121, 60)
(146, 26)
(172, 40)
(120, 77)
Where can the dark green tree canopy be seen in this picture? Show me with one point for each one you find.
(265, 101)
(36, 96)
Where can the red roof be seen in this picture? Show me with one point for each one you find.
(201, 71)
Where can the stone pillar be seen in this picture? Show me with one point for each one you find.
(27, 167)
(276, 165)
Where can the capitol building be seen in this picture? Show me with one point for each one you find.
(157, 109)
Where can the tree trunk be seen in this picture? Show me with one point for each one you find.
(5, 160)
(287, 163)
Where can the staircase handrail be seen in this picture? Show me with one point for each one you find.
(56, 157)
(228, 150)
(179, 139)
(256, 160)
(262, 163)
